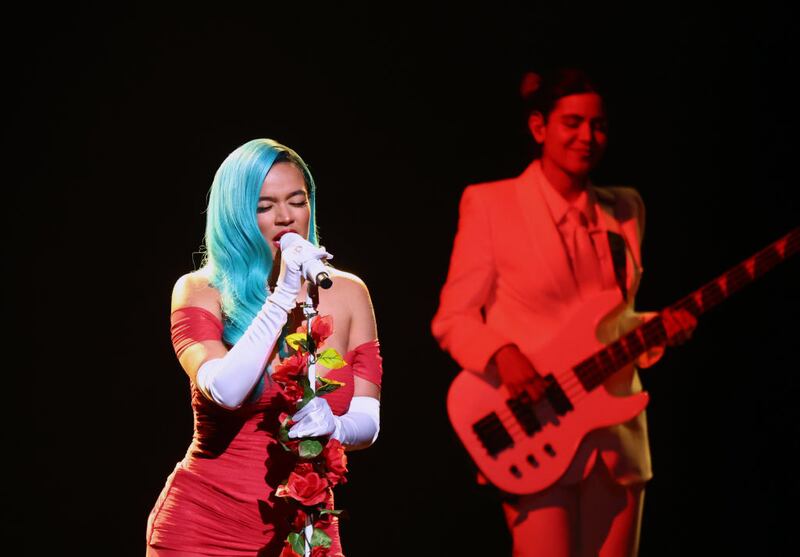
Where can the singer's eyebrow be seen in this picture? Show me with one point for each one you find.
(270, 198)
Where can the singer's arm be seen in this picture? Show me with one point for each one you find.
(458, 324)
(228, 376)
(194, 290)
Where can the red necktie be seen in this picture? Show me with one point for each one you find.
(585, 261)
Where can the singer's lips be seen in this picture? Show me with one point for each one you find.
(281, 233)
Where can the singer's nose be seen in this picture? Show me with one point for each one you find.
(282, 215)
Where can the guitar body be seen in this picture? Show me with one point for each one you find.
(533, 452)
(523, 447)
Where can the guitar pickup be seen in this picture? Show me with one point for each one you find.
(522, 408)
(556, 396)
(492, 434)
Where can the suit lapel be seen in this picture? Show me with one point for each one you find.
(542, 231)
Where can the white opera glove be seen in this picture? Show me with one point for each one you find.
(315, 419)
(357, 428)
(297, 255)
(230, 379)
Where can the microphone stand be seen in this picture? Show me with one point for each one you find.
(310, 312)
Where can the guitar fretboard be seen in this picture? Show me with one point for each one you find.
(593, 371)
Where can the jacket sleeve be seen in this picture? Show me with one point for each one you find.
(459, 325)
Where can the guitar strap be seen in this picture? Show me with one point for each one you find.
(616, 242)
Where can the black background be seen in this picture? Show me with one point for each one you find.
(118, 118)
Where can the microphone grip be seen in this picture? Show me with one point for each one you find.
(315, 272)
(323, 280)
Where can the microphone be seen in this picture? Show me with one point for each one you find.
(313, 269)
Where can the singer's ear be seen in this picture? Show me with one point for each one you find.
(538, 126)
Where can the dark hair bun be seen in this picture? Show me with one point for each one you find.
(531, 82)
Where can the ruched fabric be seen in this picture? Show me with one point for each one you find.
(219, 500)
(190, 325)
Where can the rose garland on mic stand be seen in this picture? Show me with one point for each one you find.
(320, 463)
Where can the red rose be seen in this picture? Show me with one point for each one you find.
(319, 551)
(293, 390)
(309, 489)
(303, 468)
(321, 329)
(290, 368)
(299, 521)
(335, 462)
(288, 551)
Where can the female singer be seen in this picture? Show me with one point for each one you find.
(229, 320)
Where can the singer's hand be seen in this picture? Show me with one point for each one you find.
(295, 252)
(300, 256)
(315, 419)
(517, 373)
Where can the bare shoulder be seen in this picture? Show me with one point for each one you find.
(195, 289)
(354, 296)
(350, 280)
(349, 287)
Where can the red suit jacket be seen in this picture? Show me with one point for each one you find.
(510, 282)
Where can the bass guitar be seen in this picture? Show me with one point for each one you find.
(523, 447)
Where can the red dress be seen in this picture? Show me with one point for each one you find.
(219, 500)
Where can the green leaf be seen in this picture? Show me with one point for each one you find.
(319, 537)
(326, 389)
(334, 512)
(298, 340)
(297, 542)
(331, 359)
(309, 448)
(327, 385)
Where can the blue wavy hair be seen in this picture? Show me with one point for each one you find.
(237, 255)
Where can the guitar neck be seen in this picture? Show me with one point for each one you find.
(593, 371)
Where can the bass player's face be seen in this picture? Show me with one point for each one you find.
(574, 135)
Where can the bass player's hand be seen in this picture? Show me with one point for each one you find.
(517, 373)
